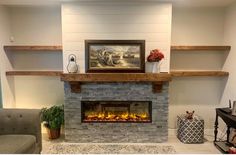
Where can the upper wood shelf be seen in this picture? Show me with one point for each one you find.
(59, 48)
(198, 73)
(200, 48)
(33, 48)
(33, 73)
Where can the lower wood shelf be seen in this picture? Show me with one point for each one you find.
(34, 73)
(198, 73)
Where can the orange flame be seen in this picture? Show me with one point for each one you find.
(111, 116)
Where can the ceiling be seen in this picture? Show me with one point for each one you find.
(176, 3)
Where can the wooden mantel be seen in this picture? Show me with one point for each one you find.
(76, 80)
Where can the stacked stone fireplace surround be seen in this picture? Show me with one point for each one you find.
(154, 132)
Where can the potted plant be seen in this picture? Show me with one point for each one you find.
(52, 119)
(154, 59)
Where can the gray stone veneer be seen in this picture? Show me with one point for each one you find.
(157, 131)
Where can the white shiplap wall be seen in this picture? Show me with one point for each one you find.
(149, 21)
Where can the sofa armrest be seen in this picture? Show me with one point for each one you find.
(21, 121)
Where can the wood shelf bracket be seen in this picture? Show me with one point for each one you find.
(75, 87)
(157, 87)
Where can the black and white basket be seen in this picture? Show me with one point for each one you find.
(190, 131)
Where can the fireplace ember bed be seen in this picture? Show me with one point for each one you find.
(116, 111)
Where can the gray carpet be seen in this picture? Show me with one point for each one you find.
(72, 148)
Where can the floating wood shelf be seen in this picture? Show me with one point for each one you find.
(200, 48)
(33, 73)
(76, 80)
(198, 73)
(33, 48)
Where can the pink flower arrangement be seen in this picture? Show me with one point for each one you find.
(155, 56)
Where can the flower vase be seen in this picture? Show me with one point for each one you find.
(155, 67)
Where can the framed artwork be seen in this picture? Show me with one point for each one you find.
(109, 56)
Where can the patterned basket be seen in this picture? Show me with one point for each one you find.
(190, 131)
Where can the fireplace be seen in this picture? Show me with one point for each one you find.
(116, 98)
(116, 111)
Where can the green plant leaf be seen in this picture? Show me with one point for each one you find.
(53, 117)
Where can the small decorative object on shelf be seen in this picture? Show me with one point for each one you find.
(189, 115)
(72, 66)
(190, 129)
(154, 61)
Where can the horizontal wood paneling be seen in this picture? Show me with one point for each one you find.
(116, 21)
(150, 37)
(116, 28)
(112, 8)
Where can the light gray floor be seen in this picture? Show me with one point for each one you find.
(207, 147)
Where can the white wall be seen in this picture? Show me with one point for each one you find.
(197, 26)
(120, 20)
(230, 39)
(0, 93)
(36, 26)
(7, 83)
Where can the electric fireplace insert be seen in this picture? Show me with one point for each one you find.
(116, 111)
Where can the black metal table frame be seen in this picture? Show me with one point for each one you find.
(229, 120)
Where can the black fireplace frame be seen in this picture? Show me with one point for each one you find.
(83, 116)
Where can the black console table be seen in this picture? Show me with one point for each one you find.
(230, 121)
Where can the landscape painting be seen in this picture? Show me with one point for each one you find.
(115, 56)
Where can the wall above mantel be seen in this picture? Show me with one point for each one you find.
(125, 21)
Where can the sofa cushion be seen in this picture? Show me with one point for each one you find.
(11, 144)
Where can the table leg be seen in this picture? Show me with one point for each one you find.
(216, 128)
(228, 132)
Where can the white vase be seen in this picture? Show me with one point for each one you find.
(148, 67)
(155, 67)
(152, 67)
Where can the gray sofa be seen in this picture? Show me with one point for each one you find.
(20, 131)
